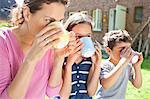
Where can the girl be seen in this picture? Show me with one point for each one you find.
(81, 75)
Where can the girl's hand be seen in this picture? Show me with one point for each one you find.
(76, 53)
(96, 58)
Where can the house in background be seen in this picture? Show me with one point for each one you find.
(132, 15)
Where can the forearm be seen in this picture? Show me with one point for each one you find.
(56, 74)
(137, 81)
(19, 85)
(93, 83)
(66, 87)
(109, 80)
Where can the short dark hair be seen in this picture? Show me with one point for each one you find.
(76, 19)
(111, 38)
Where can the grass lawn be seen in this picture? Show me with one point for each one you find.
(144, 91)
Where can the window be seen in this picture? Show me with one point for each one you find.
(138, 13)
(117, 18)
(97, 19)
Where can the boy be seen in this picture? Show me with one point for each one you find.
(117, 70)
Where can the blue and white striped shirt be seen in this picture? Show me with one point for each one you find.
(80, 74)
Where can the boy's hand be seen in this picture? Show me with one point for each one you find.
(139, 62)
(127, 55)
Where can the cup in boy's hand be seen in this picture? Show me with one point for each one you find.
(88, 50)
(135, 57)
(64, 38)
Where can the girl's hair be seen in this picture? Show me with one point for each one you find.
(34, 6)
(78, 18)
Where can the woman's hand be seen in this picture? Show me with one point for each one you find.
(64, 52)
(44, 40)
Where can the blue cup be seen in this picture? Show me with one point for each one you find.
(88, 50)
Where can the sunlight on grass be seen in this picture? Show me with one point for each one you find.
(144, 91)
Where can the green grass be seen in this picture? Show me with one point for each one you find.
(144, 91)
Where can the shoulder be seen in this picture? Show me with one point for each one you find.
(4, 33)
(4, 39)
(107, 65)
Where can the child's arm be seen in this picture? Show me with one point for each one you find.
(67, 84)
(67, 79)
(94, 73)
(109, 78)
(137, 81)
(93, 82)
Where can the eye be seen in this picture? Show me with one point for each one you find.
(62, 21)
(122, 49)
(49, 20)
(89, 36)
(80, 36)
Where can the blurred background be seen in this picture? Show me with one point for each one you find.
(107, 15)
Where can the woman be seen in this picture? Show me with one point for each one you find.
(81, 75)
(29, 66)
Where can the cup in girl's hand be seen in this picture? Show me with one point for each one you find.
(88, 50)
(64, 38)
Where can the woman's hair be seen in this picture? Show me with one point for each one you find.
(111, 38)
(34, 6)
(77, 18)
